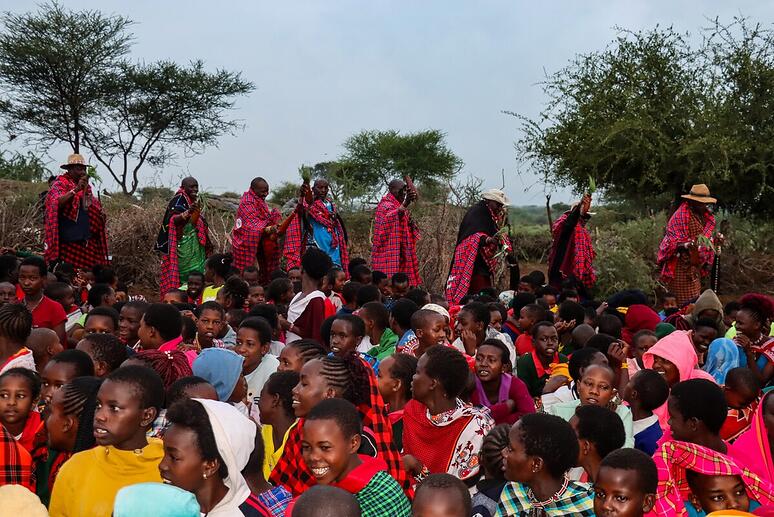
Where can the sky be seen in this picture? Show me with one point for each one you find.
(325, 70)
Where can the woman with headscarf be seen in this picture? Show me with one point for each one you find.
(638, 317)
(753, 448)
(205, 449)
(722, 356)
(706, 307)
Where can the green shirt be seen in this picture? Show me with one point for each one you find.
(526, 371)
(386, 346)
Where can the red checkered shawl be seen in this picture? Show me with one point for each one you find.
(252, 217)
(673, 458)
(465, 254)
(298, 233)
(678, 232)
(579, 253)
(170, 273)
(77, 254)
(393, 247)
(15, 462)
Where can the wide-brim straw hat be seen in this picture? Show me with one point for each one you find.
(73, 160)
(700, 193)
(496, 195)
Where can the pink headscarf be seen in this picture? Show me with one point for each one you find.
(676, 348)
(752, 447)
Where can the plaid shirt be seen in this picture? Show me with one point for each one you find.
(582, 250)
(678, 232)
(80, 255)
(298, 231)
(382, 496)
(393, 246)
(577, 500)
(275, 500)
(461, 272)
(15, 462)
(252, 217)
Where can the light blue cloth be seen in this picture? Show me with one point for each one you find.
(324, 239)
(566, 410)
(220, 367)
(155, 500)
(722, 356)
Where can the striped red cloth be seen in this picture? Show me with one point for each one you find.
(678, 231)
(393, 246)
(299, 230)
(252, 217)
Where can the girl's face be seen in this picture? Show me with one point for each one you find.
(267, 405)
(129, 325)
(182, 464)
(15, 400)
(517, 465)
(465, 321)
(118, 419)
(421, 383)
(343, 339)
(387, 384)
(61, 427)
(208, 326)
(496, 320)
(338, 284)
(54, 376)
(249, 346)
(682, 429)
(289, 360)
(525, 320)
(596, 386)
(311, 388)
(643, 344)
(717, 493)
(329, 454)
(667, 369)
(256, 296)
(547, 342)
(489, 363)
(746, 324)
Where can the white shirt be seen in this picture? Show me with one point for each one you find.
(258, 377)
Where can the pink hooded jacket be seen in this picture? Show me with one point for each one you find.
(676, 348)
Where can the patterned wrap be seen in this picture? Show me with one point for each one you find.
(252, 217)
(673, 458)
(80, 255)
(393, 247)
(15, 462)
(579, 255)
(170, 274)
(577, 500)
(465, 254)
(678, 232)
(297, 235)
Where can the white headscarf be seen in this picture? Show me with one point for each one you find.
(235, 437)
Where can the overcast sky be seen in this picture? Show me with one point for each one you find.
(326, 69)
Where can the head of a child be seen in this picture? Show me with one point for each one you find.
(70, 415)
(44, 344)
(394, 378)
(697, 410)
(256, 295)
(280, 291)
(362, 274)
(400, 315)
(442, 374)
(441, 495)
(529, 315)
(399, 285)
(19, 389)
(492, 359)
(669, 301)
(61, 369)
(704, 332)
(315, 264)
(296, 354)
(418, 296)
(367, 293)
(347, 331)
(729, 313)
(545, 339)
(223, 369)
(276, 400)
(252, 342)
(15, 325)
(233, 294)
(250, 275)
(336, 279)
(101, 295)
(572, 314)
(626, 484)
(60, 292)
(382, 281)
(429, 327)
(582, 359)
(497, 315)
(349, 294)
(330, 377)
(491, 454)
(473, 317)
(160, 323)
(642, 341)
(128, 401)
(106, 352)
(33, 274)
(742, 387)
(375, 316)
(326, 501)
(101, 320)
(549, 295)
(711, 493)
(331, 439)
(191, 387)
(600, 431)
(646, 390)
(129, 320)
(597, 385)
(175, 296)
(195, 285)
(210, 318)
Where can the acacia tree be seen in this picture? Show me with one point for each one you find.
(65, 77)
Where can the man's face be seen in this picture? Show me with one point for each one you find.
(260, 189)
(398, 189)
(320, 189)
(191, 187)
(77, 171)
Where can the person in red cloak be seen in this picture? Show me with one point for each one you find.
(74, 220)
(254, 237)
(393, 247)
(572, 254)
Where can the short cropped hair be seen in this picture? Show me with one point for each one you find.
(638, 461)
(340, 411)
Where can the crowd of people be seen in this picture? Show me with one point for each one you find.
(285, 377)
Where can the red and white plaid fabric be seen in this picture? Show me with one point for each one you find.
(170, 273)
(580, 249)
(81, 255)
(296, 235)
(252, 217)
(678, 231)
(393, 247)
(465, 253)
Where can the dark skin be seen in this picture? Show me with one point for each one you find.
(693, 430)
(78, 175)
(308, 286)
(529, 470)
(588, 457)
(617, 494)
(191, 188)
(749, 330)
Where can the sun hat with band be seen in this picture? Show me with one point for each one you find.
(496, 195)
(700, 193)
(74, 160)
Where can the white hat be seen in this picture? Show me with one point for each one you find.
(496, 195)
(437, 308)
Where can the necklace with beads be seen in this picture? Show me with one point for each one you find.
(542, 504)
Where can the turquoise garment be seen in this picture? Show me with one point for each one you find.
(566, 410)
(324, 239)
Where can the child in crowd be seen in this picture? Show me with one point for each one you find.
(170, 365)
(191, 387)
(252, 343)
(349, 297)
(489, 488)
(335, 282)
(63, 294)
(362, 274)
(473, 328)
(15, 328)
(441, 495)
(101, 320)
(250, 275)
(194, 287)
(277, 416)
(382, 281)
(106, 352)
(377, 329)
(529, 315)
(400, 323)
(44, 344)
(175, 296)
(306, 311)
(668, 306)
(569, 316)
(625, 485)
(280, 291)
(19, 389)
(255, 296)
(428, 328)
(275, 499)
(535, 368)
(61, 369)
(697, 411)
(331, 439)
(440, 432)
(47, 313)
(223, 369)
(210, 318)
(557, 388)
(366, 294)
(742, 391)
(753, 323)
(506, 396)
(296, 354)
(600, 431)
(642, 341)
(647, 390)
(127, 403)
(729, 314)
(325, 501)
(8, 293)
(216, 270)
(346, 337)
(129, 319)
(394, 380)
(269, 313)
(234, 318)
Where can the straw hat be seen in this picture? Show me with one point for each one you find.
(700, 193)
(496, 195)
(73, 160)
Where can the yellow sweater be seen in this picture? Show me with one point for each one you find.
(88, 482)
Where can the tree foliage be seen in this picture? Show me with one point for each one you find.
(651, 113)
(22, 167)
(66, 77)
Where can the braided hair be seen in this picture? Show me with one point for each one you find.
(170, 365)
(235, 292)
(15, 322)
(308, 349)
(348, 376)
(491, 454)
(79, 398)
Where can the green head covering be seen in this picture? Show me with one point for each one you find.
(664, 329)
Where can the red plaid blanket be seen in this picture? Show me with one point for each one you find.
(252, 217)
(579, 255)
(465, 253)
(393, 247)
(170, 274)
(678, 232)
(80, 255)
(298, 233)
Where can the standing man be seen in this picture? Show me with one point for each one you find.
(479, 243)
(393, 247)
(75, 221)
(254, 237)
(684, 260)
(317, 224)
(572, 252)
(183, 240)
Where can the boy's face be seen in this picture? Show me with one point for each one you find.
(148, 336)
(128, 324)
(526, 287)
(251, 277)
(118, 418)
(670, 302)
(329, 454)
(343, 339)
(738, 398)
(716, 493)
(547, 342)
(496, 320)
(208, 326)
(54, 376)
(31, 280)
(7, 293)
(195, 286)
(99, 325)
(682, 429)
(617, 495)
(15, 400)
(256, 296)
(384, 380)
(525, 320)
(643, 345)
(432, 332)
(249, 346)
(399, 290)
(384, 288)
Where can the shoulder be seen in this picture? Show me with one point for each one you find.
(53, 307)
